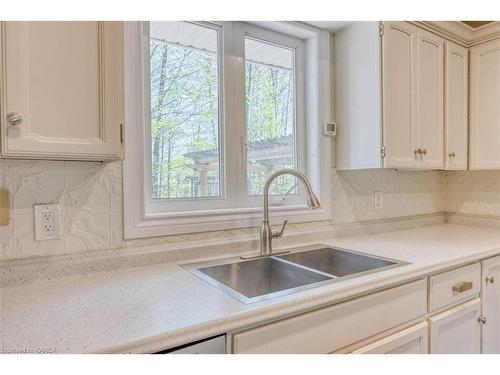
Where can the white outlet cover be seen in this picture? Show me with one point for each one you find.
(47, 222)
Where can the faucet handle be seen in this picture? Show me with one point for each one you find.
(280, 233)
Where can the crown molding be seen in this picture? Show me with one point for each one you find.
(462, 33)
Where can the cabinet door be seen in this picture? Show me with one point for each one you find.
(64, 80)
(456, 102)
(456, 331)
(485, 106)
(398, 88)
(430, 99)
(413, 340)
(491, 305)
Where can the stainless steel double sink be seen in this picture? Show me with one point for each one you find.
(264, 278)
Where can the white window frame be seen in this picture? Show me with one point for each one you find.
(242, 30)
(144, 219)
(226, 199)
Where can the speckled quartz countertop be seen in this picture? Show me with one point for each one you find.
(147, 309)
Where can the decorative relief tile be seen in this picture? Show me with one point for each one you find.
(88, 207)
(90, 195)
(403, 194)
(473, 192)
(35, 182)
(90, 198)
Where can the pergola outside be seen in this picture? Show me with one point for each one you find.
(264, 156)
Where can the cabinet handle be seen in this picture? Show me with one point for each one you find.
(14, 118)
(451, 154)
(490, 279)
(462, 287)
(424, 151)
(482, 319)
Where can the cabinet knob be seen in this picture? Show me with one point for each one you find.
(424, 151)
(418, 151)
(490, 279)
(482, 319)
(451, 154)
(14, 118)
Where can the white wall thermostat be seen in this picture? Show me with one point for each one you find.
(330, 129)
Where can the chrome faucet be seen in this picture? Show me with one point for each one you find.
(266, 233)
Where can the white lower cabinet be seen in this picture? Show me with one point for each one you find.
(458, 319)
(457, 330)
(328, 329)
(490, 297)
(413, 340)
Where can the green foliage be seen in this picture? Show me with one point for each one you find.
(184, 112)
(184, 117)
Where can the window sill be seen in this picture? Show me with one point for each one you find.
(154, 225)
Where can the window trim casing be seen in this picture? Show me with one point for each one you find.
(138, 223)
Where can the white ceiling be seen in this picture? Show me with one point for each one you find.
(331, 26)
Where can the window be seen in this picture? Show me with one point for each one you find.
(270, 98)
(184, 106)
(219, 108)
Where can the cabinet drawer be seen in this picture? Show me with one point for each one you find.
(454, 286)
(328, 329)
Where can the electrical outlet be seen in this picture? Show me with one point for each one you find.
(47, 222)
(377, 201)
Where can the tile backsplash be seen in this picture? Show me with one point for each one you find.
(473, 192)
(404, 193)
(91, 206)
(90, 195)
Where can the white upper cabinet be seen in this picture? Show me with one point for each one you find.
(408, 131)
(456, 103)
(400, 133)
(412, 85)
(61, 90)
(430, 98)
(485, 106)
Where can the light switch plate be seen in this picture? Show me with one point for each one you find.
(47, 222)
